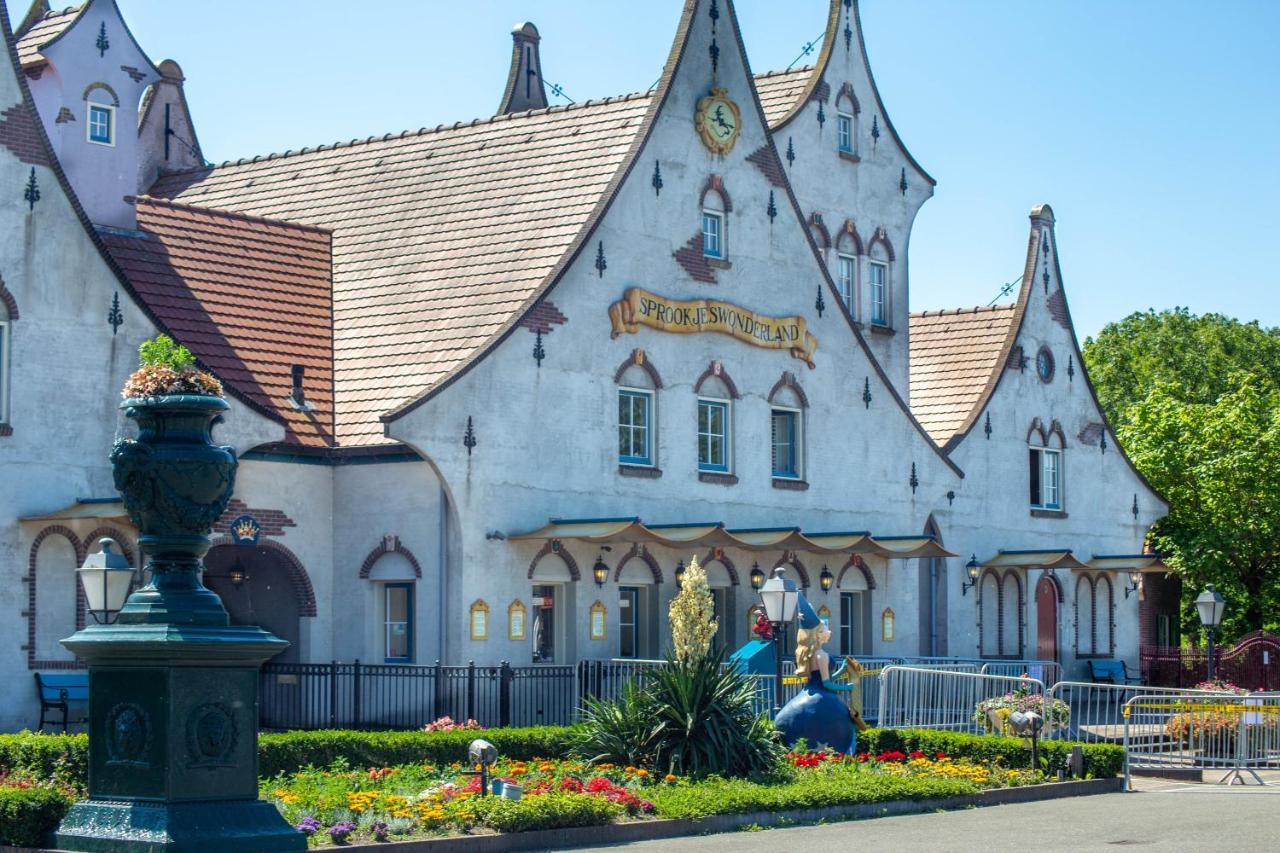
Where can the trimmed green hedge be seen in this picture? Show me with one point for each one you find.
(29, 816)
(1101, 760)
(738, 796)
(45, 756)
(548, 811)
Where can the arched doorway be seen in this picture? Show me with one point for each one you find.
(1047, 619)
(257, 585)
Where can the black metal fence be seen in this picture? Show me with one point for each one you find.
(397, 696)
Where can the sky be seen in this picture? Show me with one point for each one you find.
(1151, 126)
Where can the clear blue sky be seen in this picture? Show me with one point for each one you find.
(1151, 126)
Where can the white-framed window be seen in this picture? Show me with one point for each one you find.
(4, 363)
(846, 278)
(713, 435)
(100, 124)
(785, 433)
(713, 234)
(878, 289)
(844, 133)
(398, 622)
(635, 427)
(1046, 478)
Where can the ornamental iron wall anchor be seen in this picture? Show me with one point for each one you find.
(114, 318)
(951, 498)
(791, 152)
(902, 181)
(866, 392)
(469, 437)
(914, 481)
(772, 209)
(657, 177)
(820, 305)
(987, 427)
(601, 263)
(539, 352)
(32, 193)
(875, 130)
(102, 44)
(1135, 505)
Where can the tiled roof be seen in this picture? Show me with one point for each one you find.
(779, 91)
(249, 297)
(42, 32)
(439, 236)
(953, 357)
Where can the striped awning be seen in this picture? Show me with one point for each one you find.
(715, 534)
(1129, 563)
(1048, 559)
(104, 508)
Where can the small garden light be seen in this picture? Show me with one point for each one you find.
(973, 567)
(757, 577)
(1028, 724)
(106, 576)
(826, 579)
(483, 755)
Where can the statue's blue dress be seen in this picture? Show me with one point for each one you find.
(817, 715)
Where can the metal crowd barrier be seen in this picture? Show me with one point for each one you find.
(919, 698)
(1238, 734)
(1097, 710)
(1046, 672)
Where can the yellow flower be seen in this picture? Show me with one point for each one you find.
(670, 777)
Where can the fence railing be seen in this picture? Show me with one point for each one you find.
(920, 698)
(1097, 710)
(1239, 734)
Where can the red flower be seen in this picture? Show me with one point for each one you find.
(939, 755)
(916, 754)
(864, 756)
(571, 785)
(892, 755)
(599, 785)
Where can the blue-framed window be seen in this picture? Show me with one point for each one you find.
(101, 121)
(844, 132)
(878, 278)
(713, 435)
(398, 622)
(785, 431)
(635, 427)
(846, 275)
(712, 234)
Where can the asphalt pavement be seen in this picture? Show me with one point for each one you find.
(1171, 819)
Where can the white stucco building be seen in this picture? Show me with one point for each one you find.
(678, 319)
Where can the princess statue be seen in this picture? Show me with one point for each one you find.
(816, 713)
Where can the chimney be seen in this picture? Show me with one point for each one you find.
(525, 88)
(297, 396)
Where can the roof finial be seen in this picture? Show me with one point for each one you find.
(525, 87)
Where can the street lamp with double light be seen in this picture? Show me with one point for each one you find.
(779, 596)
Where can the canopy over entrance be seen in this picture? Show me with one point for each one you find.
(1048, 559)
(1140, 563)
(104, 508)
(714, 533)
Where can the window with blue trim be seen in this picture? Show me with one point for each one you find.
(844, 132)
(635, 427)
(713, 234)
(398, 622)
(786, 438)
(713, 435)
(101, 119)
(878, 276)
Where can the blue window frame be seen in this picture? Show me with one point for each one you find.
(844, 132)
(712, 234)
(398, 622)
(878, 274)
(713, 436)
(100, 121)
(635, 427)
(785, 440)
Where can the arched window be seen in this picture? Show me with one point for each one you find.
(1011, 619)
(786, 427)
(101, 104)
(1045, 474)
(715, 207)
(847, 121)
(4, 361)
(394, 576)
(879, 277)
(638, 383)
(989, 614)
(715, 422)
(1095, 600)
(57, 599)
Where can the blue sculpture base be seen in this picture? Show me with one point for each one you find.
(244, 826)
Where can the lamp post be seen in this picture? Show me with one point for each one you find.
(779, 596)
(106, 576)
(1211, 607)
(972, 567)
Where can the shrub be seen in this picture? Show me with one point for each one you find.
(546, 811)
(61, 758)
(1101, 760)
(693, 719)
(28, 816)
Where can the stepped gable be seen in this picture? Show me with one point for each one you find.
(43, 31)
(953, 355)
(249, 297)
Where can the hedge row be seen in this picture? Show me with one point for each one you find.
(28, 816)
(1101, 760)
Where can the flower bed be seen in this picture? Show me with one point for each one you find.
(1055, 712)
(30, 808)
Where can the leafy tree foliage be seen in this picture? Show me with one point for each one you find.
(1196, 403)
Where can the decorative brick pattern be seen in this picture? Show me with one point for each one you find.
(5, 430)
(856, 562)
(821, 92)
(716, 370)
(1091, 435)
(818, 228)
(389, 545)
(641, 553)
(639, 359)
(766, 160)
(557, 548)
(299, 580)
(881, 237)
(715, 184)
(118, 536)
(717, 555)
(93, 87)
(788, 380)
(133, 72)
(696, 264)
(10, 304)
(790, 560)
(64, 115)
(273, 521)
(1017, 360)
(1057, 304)
(846, 93)
(717, 479)
(543, 317)
(21, 135)
(849, 231)
(790, 485)
(32, 578)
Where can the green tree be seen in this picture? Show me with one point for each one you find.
(1195, 402)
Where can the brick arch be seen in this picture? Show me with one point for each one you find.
(114, 533)
(31, 579)
(641, 553)
(851, 231)
(560, 551)
(389, 545)
(638, 358)
(715, 184)
(1037, 428)
(1055, 428)
(788, 380)
(846, 92)
(882, 237)
(717, 555)
(93, 87)
(790, 559)
(10, 303)
(856, 562)
(716, 369)
(299, 580)
(818, 228)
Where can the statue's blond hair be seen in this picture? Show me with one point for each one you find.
(808, 644)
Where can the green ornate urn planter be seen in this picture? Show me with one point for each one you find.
(173, 686)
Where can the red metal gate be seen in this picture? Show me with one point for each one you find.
(1253, 663)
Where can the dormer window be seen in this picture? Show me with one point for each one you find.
(713, 234)
(844, 133)
(101, 124)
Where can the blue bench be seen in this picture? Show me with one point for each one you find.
(65, 692)
(1110, 672)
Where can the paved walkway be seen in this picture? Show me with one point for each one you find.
(1166, 817)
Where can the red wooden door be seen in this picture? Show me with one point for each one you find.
(1046, 620)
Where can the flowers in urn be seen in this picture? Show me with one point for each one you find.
(992, 715)
(168, 368)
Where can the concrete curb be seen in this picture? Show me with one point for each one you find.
(652, 830)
